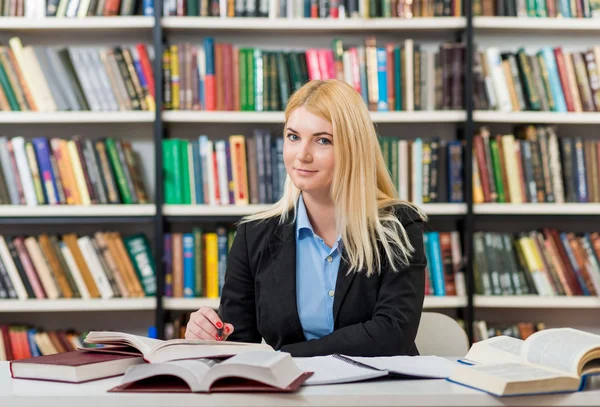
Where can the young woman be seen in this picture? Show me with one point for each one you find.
(337, 265)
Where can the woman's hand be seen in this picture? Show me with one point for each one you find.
(204, 324)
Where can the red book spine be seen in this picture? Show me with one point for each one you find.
(564, 81)
(146, 67)
(312, 62)
(34, 280)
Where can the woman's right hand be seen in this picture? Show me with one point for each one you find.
(203, 325)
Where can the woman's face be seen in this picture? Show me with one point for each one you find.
(308, 151)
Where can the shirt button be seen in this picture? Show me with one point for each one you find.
(331, 293)
(329, 259)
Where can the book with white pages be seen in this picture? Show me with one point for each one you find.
(335, 369)
(550, 361)
(158, 351)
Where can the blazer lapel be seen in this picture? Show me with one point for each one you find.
(342, 285)
(283, 254)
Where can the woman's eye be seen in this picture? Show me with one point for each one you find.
(323, 141)
(292, 137)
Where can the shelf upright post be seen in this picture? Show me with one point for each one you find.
(157, 42)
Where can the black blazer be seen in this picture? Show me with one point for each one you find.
(375, 316)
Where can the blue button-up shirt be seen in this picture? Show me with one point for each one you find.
(316, 274)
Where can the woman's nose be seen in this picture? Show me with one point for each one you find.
(304, 153)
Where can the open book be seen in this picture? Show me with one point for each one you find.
(549, 361)
(158, 351)
(250, 371)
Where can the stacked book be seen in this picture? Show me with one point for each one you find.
(195, 263)
(313, 8)
(250, 170)
(100, 79)
(543, 9)
(444, 275)
(549, 80)
(72, 172)
(546, 263)
(389, 77)
(483, 330)
(425, 170)
(534, 165)
(38, 9)
(22, 342)
(105, 265)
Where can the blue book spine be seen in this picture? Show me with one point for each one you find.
(579, 171)
(148, 6)
(168, 262)
(35, 352)
(564, 8)
(573, 261)
(557, 92)
(362, 70)
(275, 171)
(230, 184)
(382, 85)
(137, 65)
(42, 153)
(398, 78)
(198, 173)
(222, 250)
(209, 53)
(280, 165)
(436, 265)
(188, 265)
(426, 245)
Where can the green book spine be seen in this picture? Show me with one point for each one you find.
(33, 166)
(546, 81)
(8, 90)
(186, 194)
(138, 250)
(284, 81)
(243, 80)
(251, 86)
(398, 79)
(274, 82)
(531, 8)
(168, 173)
(394, 160)
(191, 8)
(387, 9)
(199, 261)
(113, 155)
(230, 237)
(540, 8)
(258, 80)
(266, 78)
(497, 171)
(532, 95)
(177, 175)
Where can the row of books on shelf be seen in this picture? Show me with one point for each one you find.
(37, 9)
(72, 172)
(23, 341)
(105, 265)
(75, 78)
(534, 165)
(540, 9)
(334, 9)
(549, 80)
(483, 330)
(389, 77)
(546, 263)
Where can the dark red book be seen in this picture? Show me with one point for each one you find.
(73, 367)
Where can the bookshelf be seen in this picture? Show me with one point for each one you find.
(277, 117)
(170, 124)
(299, 26)
(125, 23)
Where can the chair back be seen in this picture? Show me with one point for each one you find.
(440, 335)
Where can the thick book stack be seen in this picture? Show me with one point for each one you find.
(23, 342)
(548, 8)
(195, 263)
(314, 8)
(100, 79)
(389, 77)
(534, 165)
(105, 266)
(483, 330)
(546, 263)
(72, 172)
(425, 170)
(444, 274)
(550, 80)
(75, 8)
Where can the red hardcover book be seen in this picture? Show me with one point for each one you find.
(73, 367)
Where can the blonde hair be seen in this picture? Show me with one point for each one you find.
(362, 188)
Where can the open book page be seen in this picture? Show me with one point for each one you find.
(562, 349)
(433, 367)
(330, 370)
(501, 349)
(192, 371)
(142, 343)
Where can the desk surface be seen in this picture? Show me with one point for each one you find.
(18, 393)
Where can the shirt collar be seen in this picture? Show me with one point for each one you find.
(302, 221)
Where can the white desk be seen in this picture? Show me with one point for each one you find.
(20, 393)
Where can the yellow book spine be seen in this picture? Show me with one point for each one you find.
(212, 265)
(508, 147)
(477, 188)
(69, 175)
(240, 171)
(84, 195)
(175, 86)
